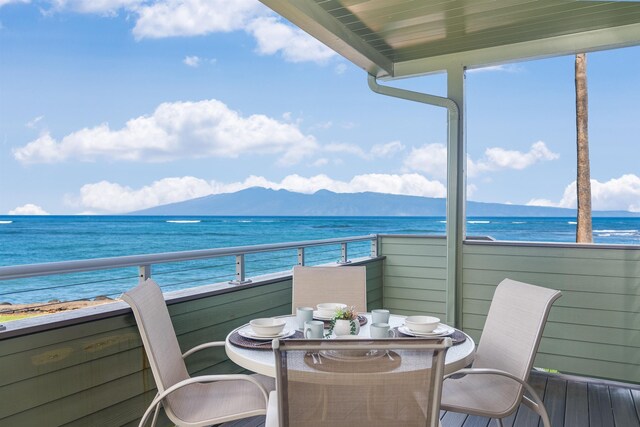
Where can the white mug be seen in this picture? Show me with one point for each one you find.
(380, 315)
(381, 330)
(313, 329)
(304, 314)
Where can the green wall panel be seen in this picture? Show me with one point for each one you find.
(594, 328)
(96, 373)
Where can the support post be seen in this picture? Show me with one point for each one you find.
(456, 191)
(240, 272)
(144, 272)
(455, 176)
(344, 257)
(374, 247)
(300, 256)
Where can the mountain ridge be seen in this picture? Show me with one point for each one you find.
(259, 201)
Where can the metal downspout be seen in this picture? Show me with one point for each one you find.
(455, 187)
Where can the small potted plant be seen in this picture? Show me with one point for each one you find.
(345, 322)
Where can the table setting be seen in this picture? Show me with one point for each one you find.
(339, 321)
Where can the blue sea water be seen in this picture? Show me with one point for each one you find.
(31, 239)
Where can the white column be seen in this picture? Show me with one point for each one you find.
(456, 196)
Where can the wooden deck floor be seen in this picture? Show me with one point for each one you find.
(570, 402)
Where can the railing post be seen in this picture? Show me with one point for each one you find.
(300, 256)
(144, 272)
(240, 272)
(374, 247)
(344, 258)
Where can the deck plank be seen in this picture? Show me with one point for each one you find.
(577, 405)
(525, 417)
(555, 400)
(600, 412)
(636, 400)
(569, 403)
(624, 409)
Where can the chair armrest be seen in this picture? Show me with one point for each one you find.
(202, 347)
(202, 379)
(536, 405)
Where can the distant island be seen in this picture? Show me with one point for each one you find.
(258, 201)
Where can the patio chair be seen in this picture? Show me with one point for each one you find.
(197, 401)
(357, 382)
(494, 386)
(315, 285)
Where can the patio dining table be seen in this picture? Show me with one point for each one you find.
(262, 360)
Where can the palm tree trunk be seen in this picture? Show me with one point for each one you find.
(583, 179)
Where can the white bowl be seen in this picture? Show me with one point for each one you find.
(267, 326)
(328, 309)
(422, 324)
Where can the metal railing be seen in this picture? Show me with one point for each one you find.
(234, 274)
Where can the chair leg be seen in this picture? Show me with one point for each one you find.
(499, 421)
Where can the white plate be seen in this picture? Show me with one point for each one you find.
(248, 333)
(318, 316)
(351, 354)
(440, 331)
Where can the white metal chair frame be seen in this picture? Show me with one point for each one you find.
(157, 315)
(157, 401)
(542, 299)
(534, 403)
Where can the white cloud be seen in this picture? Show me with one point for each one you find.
(351, 149)
(28, 209)
(387, 150)
(176, 130)
(432, 159)
(107, 197)
(187, 18)
(496, 158)
(33, 123)
(616, 194)
(320, 162)
(341, 68)
(192, 61)
(105, 7)
(170, 18)
(7, 2)
(295, 45)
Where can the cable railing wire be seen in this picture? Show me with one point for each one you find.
(66, 285)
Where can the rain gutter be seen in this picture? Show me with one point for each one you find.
(455, 187)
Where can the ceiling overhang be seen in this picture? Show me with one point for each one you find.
(401, 38)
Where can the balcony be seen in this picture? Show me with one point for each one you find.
(88, 367)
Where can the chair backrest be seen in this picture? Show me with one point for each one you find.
(315, 285)
(158, 335)
(360, 382)
(514, 326)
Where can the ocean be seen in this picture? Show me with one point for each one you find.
(31, 239)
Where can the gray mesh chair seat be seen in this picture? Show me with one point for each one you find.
(494, 386)
(189, 401)
(357, 382)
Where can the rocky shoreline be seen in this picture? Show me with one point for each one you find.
(50, 307)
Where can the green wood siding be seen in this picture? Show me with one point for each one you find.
(593, 329)
(96, 373)
(415, 274)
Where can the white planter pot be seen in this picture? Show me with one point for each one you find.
(343, 327)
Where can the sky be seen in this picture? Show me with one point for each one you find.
(110, 106)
